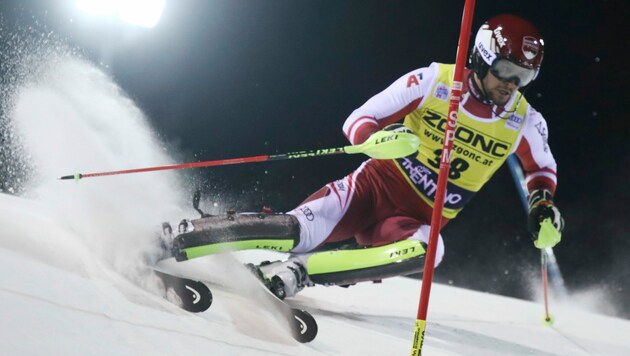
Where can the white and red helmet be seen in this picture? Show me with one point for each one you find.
(510, 47)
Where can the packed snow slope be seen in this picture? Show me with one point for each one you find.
(59, 298)
(74, 279)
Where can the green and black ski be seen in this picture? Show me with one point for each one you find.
(190, 295)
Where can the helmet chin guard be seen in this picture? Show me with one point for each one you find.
(508, 38)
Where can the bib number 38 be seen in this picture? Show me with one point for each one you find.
(458, 165)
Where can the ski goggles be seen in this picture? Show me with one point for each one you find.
(506, 70)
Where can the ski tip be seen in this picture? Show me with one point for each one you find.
(303, 326)
(191, 295)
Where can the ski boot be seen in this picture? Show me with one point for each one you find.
(167, 237)
(283, 278)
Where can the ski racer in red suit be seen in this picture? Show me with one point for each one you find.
(386, 205)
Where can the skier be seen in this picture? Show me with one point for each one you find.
(386, 205)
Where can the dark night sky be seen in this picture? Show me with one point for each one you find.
(234, 78)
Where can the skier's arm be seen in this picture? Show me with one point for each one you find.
(535, 155)
(389, 106)
(540, 172)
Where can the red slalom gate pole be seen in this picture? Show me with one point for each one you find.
(445, 164)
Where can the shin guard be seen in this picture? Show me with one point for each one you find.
(278, 232)
(341, 267)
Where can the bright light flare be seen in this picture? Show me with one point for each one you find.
(98, 7)
(144, 13)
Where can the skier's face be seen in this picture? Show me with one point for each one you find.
(498, 90)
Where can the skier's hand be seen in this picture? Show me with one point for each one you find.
(397, 128)
(541, 207)
(393, 141)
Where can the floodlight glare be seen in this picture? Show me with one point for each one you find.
(98, 7)
(144, 13)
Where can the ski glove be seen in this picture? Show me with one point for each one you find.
(397, 128)
(541, 208)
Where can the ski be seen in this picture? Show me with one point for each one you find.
(301, 323)
(190, 295)
(196, 296)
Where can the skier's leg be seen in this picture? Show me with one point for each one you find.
(384, 215)
(350, 266)
(325, 216)
(374, 263)
(278, 232)
(336, 212)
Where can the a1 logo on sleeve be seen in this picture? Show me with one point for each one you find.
(413, 79)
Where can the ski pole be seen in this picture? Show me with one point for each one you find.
(548, 264)
(445, 164)
(543, 271)
(381, 145)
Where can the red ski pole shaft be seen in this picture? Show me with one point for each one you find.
(445, 163)
(381, 145)
(543, 270)
(219, 162)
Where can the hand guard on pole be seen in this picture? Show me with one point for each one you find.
(399, 140)
(544, 220)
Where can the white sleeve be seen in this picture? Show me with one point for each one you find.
(391, 105)
(534, 151)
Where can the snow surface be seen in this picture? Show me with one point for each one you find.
(73, 281)
(58, 299)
